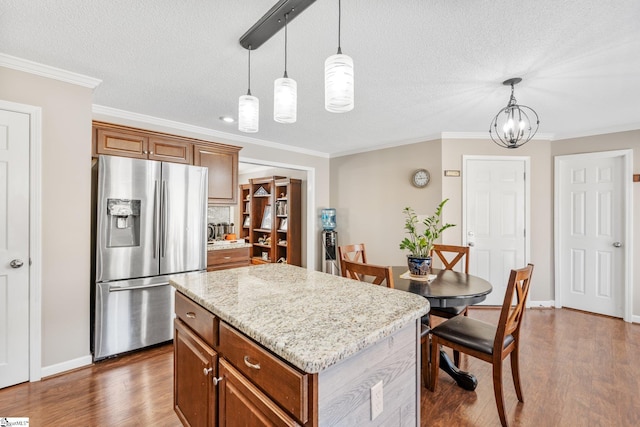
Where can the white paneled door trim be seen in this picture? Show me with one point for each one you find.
(35, 233)
(627, 246)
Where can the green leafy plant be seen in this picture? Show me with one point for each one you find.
(421, 243)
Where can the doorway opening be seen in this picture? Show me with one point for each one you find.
(254, 168)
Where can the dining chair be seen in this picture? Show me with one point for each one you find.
(372, 273)
(450, 256)
(354, 252)
(488, 342)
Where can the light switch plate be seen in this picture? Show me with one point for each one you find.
(376, 400)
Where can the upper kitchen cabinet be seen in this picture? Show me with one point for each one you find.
(220, 159)
(117, 142)
(167, 150)
(222, 162)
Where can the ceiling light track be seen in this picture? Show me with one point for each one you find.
(272, 22)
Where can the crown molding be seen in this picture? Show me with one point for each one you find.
(38, 69)
(109, 113)
(602, 131)
(485, 135)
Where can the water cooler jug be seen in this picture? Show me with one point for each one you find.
(330, 263)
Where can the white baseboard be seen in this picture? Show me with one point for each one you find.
(58, 368)
(635, 319)
(541, 304)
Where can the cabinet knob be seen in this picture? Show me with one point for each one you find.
(191, 315)
(207, 371)
(150, 152)
(216, 381)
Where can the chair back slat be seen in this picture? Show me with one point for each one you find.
(444, 252)
(511, 314)
(376, 274)
(354, 253)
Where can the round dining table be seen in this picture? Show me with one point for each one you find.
(447, 288)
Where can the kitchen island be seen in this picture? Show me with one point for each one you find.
(284, 345)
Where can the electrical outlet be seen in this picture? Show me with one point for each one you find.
(376, 400)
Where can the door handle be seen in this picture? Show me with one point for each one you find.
(617, 244)
(16, 263)
(471, 244)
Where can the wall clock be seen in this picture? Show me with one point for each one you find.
(420, 178)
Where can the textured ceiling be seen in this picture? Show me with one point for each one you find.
(421, 67)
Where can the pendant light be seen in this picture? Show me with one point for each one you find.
(514, 125)
(338, 79)
(285, 91)
(248, 108)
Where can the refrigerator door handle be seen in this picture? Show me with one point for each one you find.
(164, 218)
(156, 219)
(134, 288)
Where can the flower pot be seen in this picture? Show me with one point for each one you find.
(419, 266)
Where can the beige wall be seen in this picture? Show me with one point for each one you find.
(369, 191)
(608, 142)
(66, 168)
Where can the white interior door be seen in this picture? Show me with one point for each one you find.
(590, 232)
(495, 219)
(14, 247)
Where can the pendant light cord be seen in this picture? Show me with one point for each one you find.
(339, 25)
(249, 79)
(286, 16)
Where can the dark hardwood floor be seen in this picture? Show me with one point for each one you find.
(578, 369)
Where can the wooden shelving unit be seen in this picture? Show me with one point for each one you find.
(274, 225)
(244, 207)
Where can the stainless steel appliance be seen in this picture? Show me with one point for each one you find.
(150, 223)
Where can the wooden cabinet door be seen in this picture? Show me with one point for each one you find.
(167, 150)
(223, 172)
(242, 404)
(195, 367)
(121, 143)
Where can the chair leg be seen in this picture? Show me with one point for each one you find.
(497, 390)
(456, 358)
(515, 371)
(435, 363)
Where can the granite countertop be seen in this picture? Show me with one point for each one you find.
(227, 244)
(309, 318)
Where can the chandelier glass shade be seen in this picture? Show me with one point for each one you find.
(338, 83)
(285, 91)
(248, 113)
(285, 100)
(338, 78)
(515, 124)
(248, 108)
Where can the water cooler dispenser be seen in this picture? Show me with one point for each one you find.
(330, 262)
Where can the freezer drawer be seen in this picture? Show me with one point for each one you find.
(132, 314)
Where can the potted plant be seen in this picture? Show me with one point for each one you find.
(419, 244)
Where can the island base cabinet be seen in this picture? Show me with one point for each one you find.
(242, 404)
(195, 367)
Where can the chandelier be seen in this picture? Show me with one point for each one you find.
(514, 125)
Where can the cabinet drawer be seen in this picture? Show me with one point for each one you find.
(220, 257)
(283, 383)
(197, 318)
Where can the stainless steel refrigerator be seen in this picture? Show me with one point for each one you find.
(150, 223)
